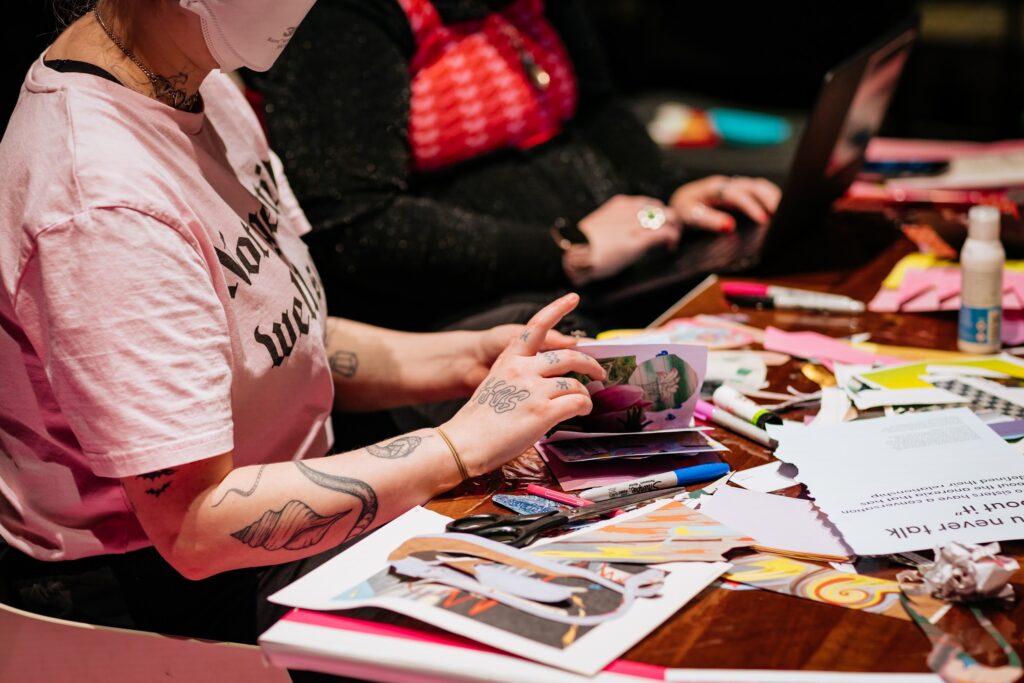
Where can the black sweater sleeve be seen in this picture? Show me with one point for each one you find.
(337, 107)
(603, 117)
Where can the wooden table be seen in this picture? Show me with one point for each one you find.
(756, 629)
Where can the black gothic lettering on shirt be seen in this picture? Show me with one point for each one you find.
(344, 364)
(294, 527)
(397, 448)
(240, 492)
(150, 476)
(155, 492)
(353, 487)
(502, 396)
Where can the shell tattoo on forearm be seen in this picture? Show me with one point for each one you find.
(293, 527)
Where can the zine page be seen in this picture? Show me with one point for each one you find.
(649, 388)
(910, 482)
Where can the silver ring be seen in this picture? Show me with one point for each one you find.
(651, 217)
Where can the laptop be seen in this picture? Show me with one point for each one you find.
(801, 236)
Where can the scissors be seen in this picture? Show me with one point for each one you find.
(519, 531)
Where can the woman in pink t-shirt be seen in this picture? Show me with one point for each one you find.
(167, 365)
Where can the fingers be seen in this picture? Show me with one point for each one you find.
(702, 216)
(756, 197)
(565, 386)
(668, 233)
(558, 363)
(532, 338)
(556, 340)
(570, 405)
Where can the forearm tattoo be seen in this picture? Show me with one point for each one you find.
(293, 527)
(398, 448)
(296, 525)
(157, 490)
(344, 364)
(353, 487)
(243, 494)
(501, 395)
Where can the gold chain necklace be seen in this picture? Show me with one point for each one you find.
(164, 89)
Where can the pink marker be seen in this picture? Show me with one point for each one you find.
(557, 496)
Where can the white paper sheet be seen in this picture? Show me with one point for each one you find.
(766, 478)
(835, 408)
(910, 482)
(865, 400)
(775, 521)
(358, 563)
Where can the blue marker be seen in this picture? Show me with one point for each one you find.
(655, 482)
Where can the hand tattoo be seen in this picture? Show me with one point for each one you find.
(525, 335)
(243, 494)
(353, 487)
(293, 527)
(562, 384)
(502, 396)
(550, 356)
(399, 448)
(344, 364)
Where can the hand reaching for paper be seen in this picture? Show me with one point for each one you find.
(524, 395)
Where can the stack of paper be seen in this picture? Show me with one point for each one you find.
(910, 482)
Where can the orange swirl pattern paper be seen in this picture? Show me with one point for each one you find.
(822, 584)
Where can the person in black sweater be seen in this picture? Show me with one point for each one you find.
(421, 248)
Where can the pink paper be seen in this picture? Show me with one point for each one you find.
(591, 473)
(888, 149)
(820, 347)
(924, 290)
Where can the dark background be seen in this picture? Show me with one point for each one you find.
(964, 79)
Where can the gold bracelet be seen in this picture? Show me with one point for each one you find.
(455, 454)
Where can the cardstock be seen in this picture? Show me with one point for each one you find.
(777, 523)
(707, 332)
(583, 649)
(668, 531)
(822, 584)
(910, 482)
(835, 407)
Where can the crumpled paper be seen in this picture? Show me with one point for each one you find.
(963, 572)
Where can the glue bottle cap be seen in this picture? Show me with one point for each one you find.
(983, 223)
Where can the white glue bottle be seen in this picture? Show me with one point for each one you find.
(981, 292)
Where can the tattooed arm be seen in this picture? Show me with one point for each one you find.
(208, 517)
(376, 368)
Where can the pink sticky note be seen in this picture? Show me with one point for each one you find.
(820, 347)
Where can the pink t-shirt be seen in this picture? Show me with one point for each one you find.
(157, 305)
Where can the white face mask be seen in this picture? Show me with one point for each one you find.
(250, 33)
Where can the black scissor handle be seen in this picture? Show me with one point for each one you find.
(514, 530)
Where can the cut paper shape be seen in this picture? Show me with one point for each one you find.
(812, 345)
(665, 532)
(790, 526)
(822, 584)
(909, 376)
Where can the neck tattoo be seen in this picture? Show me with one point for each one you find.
(165, 89)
